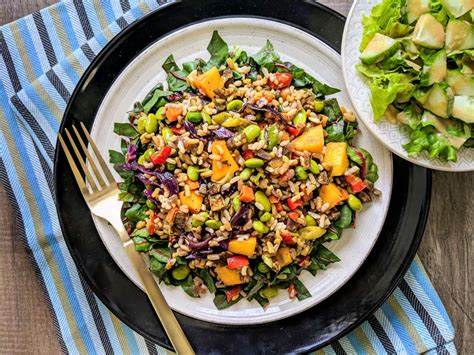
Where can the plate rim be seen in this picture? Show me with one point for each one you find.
(406, 157)
(424, 179)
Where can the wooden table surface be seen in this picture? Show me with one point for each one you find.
(25, 321)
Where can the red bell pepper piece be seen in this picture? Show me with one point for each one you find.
(160, 158)
(177, 131)
(294, 205)
(230, 294)
(287, 239)
(282, 80)
(356, 183)
(293, 130)
(237, 261)
(248, 154)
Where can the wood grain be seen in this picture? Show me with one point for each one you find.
(26, 325)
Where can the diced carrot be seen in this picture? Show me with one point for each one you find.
(173, 112)
(233, 292)
(177, 131)
(268, 96)
(294, 204)
(171, 215)
(285, 116)
(246, 194)
(193, 185)
(293, 215)
(285, 136)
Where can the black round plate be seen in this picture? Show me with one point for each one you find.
(314, 328)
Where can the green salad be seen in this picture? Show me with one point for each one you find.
(418, 59)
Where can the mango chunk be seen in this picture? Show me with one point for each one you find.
(209, 81)
(333, 194)
(243, 247)
(311, 140)
(228, 165)
(283, 256)
(193, 201)
(227, 276)
(336, 156)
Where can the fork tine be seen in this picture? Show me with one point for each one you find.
(89, 158)
(101, 160)
(72, 164)
(81, 162)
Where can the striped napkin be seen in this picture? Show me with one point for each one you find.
(43, 56)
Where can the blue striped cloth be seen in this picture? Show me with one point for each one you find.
(42, 58)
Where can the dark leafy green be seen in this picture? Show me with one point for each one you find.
(125, 129)
(218, 50)
(266, 55)
(220, 301)
(136, 213)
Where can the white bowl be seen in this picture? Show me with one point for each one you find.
(300, 48)
(392, 135)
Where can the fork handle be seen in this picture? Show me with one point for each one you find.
(172, 328)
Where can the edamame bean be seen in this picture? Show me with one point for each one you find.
(235, 105)
(141, 160)
(252, 132)
(180, 272)
(194, 117)
(151, 123)
(167, 133)
(245, 174)
(193, 173)
(272, 135)
(300, 119)
(206, 117)
(141, 124)
(310, 221)
(263, 268)
(268, 292)
(236, 203)
(150, 204)
(170, 166)
(318, 105)
(212, 223)
(260, 227)
(148, 153)
(221, 117)
(354, 203)
(265, 217)
(301, 173)
(262, 199)
(160, 114)
(234, 122)
(254, 163)
(267, 260)
(199, 222)
(314, 168)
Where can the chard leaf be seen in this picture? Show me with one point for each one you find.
(220, 301)
(175, 75)
(157, 268)
(302, 291)
(136, 213)
(266, 55)
(208, 280)
(125, 129)
(163, 255)
(218, 49)
(154, 99)
(116, 157)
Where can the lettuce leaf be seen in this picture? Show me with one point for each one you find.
(384, 18)
(429, 139)
(385, 87)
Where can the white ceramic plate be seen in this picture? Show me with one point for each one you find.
(392, 135)
(293, 45)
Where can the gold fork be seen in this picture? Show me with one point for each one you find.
(101, 198)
